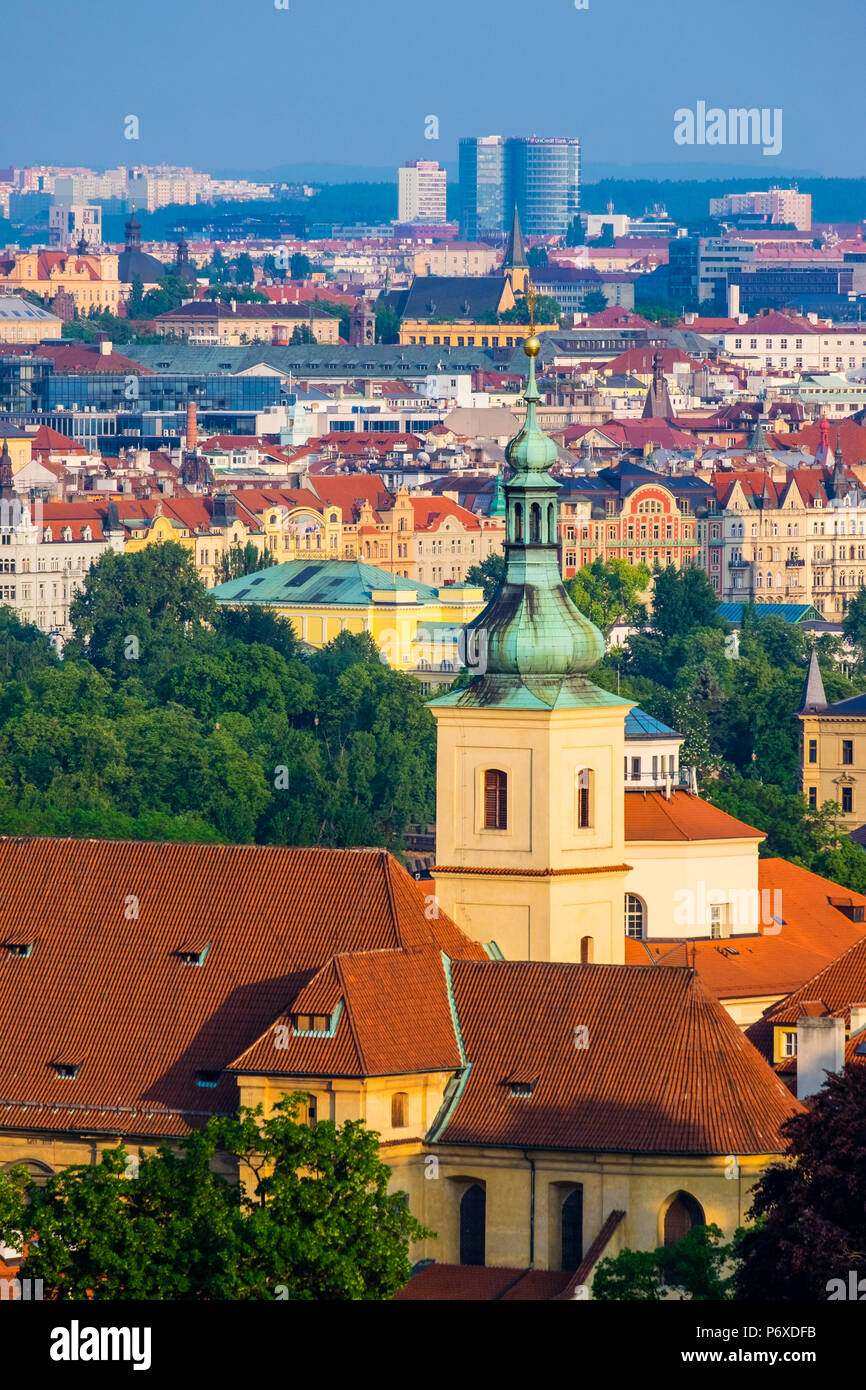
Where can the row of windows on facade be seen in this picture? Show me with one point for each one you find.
(846, 799)
(496, 799)
(845, 750)
(678, 1215)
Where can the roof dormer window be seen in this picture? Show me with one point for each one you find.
(193, 952)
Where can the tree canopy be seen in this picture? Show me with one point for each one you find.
(311, 1219)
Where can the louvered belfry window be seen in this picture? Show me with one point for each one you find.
(495, 800)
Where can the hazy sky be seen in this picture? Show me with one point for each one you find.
(240, 84)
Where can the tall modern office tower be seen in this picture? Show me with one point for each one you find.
(482, 187)
(421, 192)
(537, 175)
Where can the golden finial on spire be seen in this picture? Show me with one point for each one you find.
(531, 345)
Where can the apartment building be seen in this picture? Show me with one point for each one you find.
(801, 539)
(773, 340)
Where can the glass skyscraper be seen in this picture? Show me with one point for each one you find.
(482, 187)
(540, 175)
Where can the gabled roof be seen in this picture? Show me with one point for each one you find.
(272, 917)
(650, 816)
(759, 964)
(375, 1033)
(666, 1069)
(453, 297)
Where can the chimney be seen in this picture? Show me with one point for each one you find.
(368, 388)
(820, 1049)
(733, 301)
(858, 1018)
(191, 426)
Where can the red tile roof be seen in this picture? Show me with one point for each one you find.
(650, 816)
(752, 966)
(665, 1069)
(482, 1284)
(431, 512)
(116, 992)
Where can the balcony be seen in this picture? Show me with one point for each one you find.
(683, 779)
(794, 564)
(739, 564)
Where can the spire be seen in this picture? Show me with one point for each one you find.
(814, 699)
(515, 252)
(5, 470)
(537, 646)
(822, 458)
(658, 402)
(133, 232)
(497, 505)
(759, 442)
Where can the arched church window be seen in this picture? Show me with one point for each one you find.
(571, 1229)
(495, 800)
(535, 522)
(634, 917)
(473, 1221)
(583, 798)
(551, 524)
(518, 521)
(682, 1214)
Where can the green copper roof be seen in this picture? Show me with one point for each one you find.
(340, 582)
(534, 646)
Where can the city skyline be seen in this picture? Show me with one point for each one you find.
(320, 111)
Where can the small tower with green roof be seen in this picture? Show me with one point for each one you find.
(530, 790)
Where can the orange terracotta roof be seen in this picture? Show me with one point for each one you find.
(437, 1283)
(754, 966)
(650, 816)
(430, 512)
(272, 916)
(665, 1069)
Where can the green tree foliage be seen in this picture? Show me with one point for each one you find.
(547, 310)
(537, 256)
(607, 590)
(699, 1267)
(243, 268)
(170, 293)
(243, 559)
(311, 1220)
(300, 266)
(576, 235)
(153, 596)
(594, 302)
(488, 575)
(216, 723)
(135, 302)
(387, 324)
(810, 1212)
(854, 627)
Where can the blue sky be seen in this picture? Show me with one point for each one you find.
(242, 85)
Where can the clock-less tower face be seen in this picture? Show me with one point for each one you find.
(530, 800)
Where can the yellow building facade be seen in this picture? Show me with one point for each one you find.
(833, 750)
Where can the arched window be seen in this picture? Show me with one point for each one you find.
(399, 1110)
(551, 524)
(759, 582)
(39, 1173)
(769, 581)
(634, 917)
(473, 1220)
(495, 800)
(587, 950)
(583, 798)
(518, 521)
(571, 1229)
(682, 1214)
(535, 522)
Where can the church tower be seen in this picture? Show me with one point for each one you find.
(515, 266)
(530, 798)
